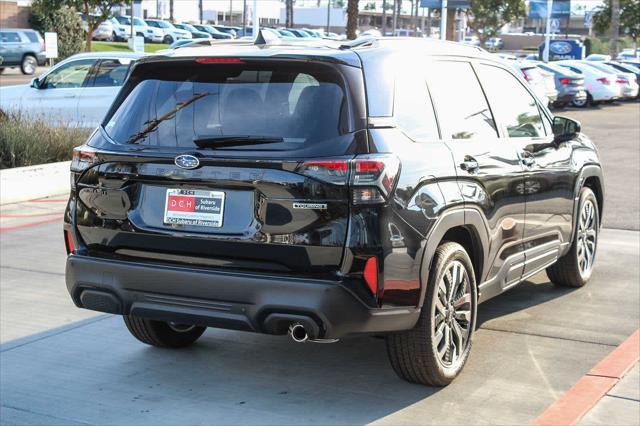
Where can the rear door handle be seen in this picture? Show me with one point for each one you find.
(469, 165)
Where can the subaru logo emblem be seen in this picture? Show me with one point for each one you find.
(561, 47)
(186, 161)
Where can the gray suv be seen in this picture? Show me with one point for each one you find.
(22, 48)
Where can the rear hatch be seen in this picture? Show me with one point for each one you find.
(210, 161)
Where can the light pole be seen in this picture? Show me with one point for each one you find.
(547, 36)
(256, 20)
(328, 16)
(443, 20)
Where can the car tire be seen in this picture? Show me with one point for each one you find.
(582, 103)
(162, 334)
(428, 354)
(29, 65)
(168, 39)
(574, 268)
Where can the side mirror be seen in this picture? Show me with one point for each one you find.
(565, 129)
(35, 83)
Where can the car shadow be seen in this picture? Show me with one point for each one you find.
(523, 296)
(234, 377)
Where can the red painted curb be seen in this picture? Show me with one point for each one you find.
(28, 225)
(585, 394)
(621, 360)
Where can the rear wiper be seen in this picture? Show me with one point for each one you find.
(229, 141)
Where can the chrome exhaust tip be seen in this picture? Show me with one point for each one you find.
(298, 333)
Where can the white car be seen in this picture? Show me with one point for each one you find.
(170, 33)
(600, 86)
(142, 29)
(541, 83)
(77, 91)
(494, 43)
(471, 41)
(627, 80)
(120, 32)
(104, 31)
(629, 54)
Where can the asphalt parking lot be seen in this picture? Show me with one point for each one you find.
(11, 76)
(63, 365)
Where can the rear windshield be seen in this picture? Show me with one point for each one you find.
(176, 105)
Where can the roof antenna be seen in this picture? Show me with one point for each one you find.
(260, 40)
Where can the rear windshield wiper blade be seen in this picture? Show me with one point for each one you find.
(229, 141)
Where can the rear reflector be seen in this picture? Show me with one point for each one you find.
(219, 61)
(371, 274)
(68, 240)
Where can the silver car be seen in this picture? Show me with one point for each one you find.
(22, 48)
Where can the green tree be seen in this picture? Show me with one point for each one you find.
(95, 11)
(352, 19)
(629, 19)
(54, 16)
(488, 16)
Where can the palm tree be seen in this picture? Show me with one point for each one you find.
(289, 13)
(615, 28)
(352, 19)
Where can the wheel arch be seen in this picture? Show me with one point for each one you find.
(590, 176)
(464, 226)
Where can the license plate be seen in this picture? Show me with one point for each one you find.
(194, 207)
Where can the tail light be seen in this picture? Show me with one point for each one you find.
(526, 76)
(83, 158)
(565, 81)
(370, 176)
(219, 61)
(622, 81)
(604, 80)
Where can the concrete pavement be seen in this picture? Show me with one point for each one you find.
(62, 365)
(620, 406)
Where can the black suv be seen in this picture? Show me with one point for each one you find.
(383, 186)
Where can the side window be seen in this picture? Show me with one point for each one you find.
(413, 109)
(9, 37)
(516, 110)
(33, 37)
(111, 72)
(462, 108)
(68, 76)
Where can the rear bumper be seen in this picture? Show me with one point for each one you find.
(231, 300)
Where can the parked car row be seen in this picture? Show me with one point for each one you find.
(581, 82)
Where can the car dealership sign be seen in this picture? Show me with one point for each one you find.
(563, 49)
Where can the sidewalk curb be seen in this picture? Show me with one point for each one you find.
(28, 183)
(585, 394)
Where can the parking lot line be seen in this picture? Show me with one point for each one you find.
(29, 225)
(585, 394)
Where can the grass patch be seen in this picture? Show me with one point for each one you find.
(27, 141)
(114, 46)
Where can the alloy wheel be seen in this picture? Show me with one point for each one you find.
(587, 237)
(29, 65)
(452, 315)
